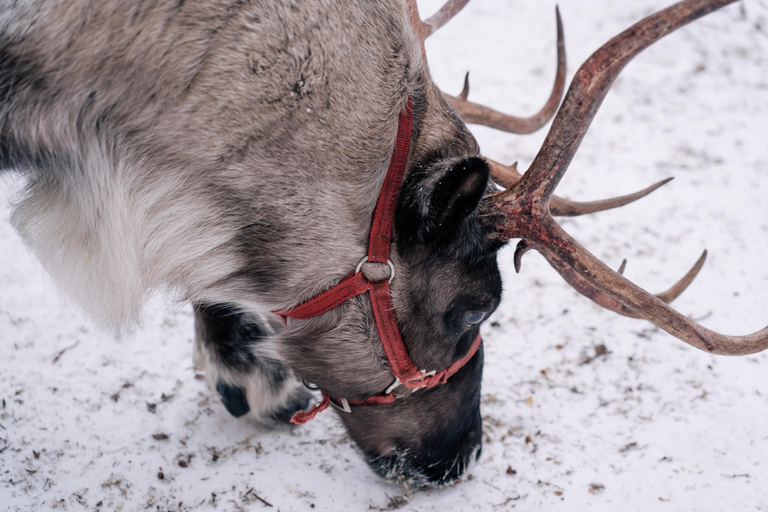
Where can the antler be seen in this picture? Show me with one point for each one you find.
(479, 114)
(424, 29)
(475, 113)
(523, 211)
(507, 176)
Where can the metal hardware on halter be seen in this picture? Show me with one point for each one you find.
(389, 262)
(392, 386)
(424, 375)
(396, 382)
(343, 404)
(310, 385)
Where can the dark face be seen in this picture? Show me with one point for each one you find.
(447, 283)
(430, 437)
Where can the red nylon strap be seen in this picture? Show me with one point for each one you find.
(381, 228)
(301, 417)
(389, 332)
(375, 400)
(351, 286)
(443, 376)
(384, 214)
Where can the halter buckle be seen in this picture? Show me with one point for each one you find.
(421, 376)
(343, 404)
(395, 384)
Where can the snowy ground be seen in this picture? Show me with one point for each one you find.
(91, 423)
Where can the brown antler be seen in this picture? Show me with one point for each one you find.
(507, 176)
(584, 287)
(474, 113)
(424, 29)
(523, 211)
(479, 114)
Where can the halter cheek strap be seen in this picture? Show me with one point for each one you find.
(380, 240)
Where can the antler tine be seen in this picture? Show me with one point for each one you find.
(424, 29)
(597, 294)
(591, 84)
(505, 175)
(508, 175)
(479, 114)
(522, 211)
(614, 286)
(679, 287)
(444, 15)
(564, 208)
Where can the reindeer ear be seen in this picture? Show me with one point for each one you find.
(441, 197)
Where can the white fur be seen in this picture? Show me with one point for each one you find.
(110, 242)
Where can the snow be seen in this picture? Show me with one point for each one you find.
(88, 422)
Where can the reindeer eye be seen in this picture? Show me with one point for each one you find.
(474, 317)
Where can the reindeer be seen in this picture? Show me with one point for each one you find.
(291, 169)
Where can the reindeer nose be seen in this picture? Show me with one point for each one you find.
(438, 461)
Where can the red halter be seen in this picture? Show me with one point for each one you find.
(405, 372)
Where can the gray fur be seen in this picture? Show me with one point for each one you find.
(232, 153)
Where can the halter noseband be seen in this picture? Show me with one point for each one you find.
(405, 372)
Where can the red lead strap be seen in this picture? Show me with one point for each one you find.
(405, 372)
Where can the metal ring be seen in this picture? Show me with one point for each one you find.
(310, 385)
(389, 262)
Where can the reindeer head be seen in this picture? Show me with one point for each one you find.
(444, 283)
(449, 224)
(423, 331)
